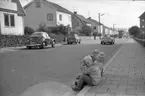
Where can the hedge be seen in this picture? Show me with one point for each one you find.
(140, 41)
(14, 41)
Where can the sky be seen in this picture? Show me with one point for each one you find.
(122, 13)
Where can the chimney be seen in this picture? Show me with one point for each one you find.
(75, 12)
(89, 18)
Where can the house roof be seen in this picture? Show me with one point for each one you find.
(20, 10)
(58, 7)
(92, 20)
(81, 18)
(142, 15)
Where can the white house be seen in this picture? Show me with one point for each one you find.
(45, 12)
(11, 17)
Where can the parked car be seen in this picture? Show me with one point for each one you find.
(73, 38)
(40, 40)
(107, 40)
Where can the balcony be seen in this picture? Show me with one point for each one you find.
(8, 5)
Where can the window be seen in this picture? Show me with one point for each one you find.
(38, 4)
(94, 27)
(50, 17)
(9, 20)
(142, 20)
(60, 17)
(142, 26)
(12, 20)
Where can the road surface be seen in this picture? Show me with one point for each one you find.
(22, 68)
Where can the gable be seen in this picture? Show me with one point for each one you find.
(20, 10)
(42, 2)
(142, 15)
(52, 5)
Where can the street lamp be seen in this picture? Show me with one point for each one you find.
(99, 15)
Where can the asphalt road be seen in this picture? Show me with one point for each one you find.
(24, 68)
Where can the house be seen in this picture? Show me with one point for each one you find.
(78, 21)
(11, 17)
(45, 12)
(94, 24)
(142, 21)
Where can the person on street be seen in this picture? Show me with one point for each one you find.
(101, 60)
(88, 66)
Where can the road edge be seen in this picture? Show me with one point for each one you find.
(86, 88)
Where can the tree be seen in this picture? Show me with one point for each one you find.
(43, 28)
(86, 30)
(134, 31)
(61, 29)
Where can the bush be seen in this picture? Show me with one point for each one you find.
(43, 28)
(61, 29)
(12, 40)
(28, 30)
(86, 30)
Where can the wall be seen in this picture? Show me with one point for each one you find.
(17, 30)
(8, 5)
(37, 16)
(66, 19)
(142, 23)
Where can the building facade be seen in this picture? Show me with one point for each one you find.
(11, 17)
(142, 22)
(45, 12)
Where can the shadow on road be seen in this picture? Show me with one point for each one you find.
(35, 48)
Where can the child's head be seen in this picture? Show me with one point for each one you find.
(101, 57)
(87, 60)
(95, 52)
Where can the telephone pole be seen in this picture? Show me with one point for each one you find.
(99, 15)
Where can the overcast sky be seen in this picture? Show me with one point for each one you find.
(123, 13)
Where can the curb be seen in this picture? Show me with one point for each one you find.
(86, 88)
(6, 49)
(23, 47)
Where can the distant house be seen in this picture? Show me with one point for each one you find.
(78, 21)
(142, 22)
(11, 17)
(94, 24)
(45, 12)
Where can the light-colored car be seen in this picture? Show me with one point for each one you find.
(40, 40)
(107, 40)
(73, 38)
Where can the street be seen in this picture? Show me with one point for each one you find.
(23, 68)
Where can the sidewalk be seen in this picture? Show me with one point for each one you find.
(125, 75)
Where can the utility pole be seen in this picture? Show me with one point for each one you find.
(99, 23)
(99, 15)
(113, 28)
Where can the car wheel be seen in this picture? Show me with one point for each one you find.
(53, 45)
(42, 46)
(28, 47)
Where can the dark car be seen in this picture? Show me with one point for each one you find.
(107, 40)
(73, 39)
(40, 40)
